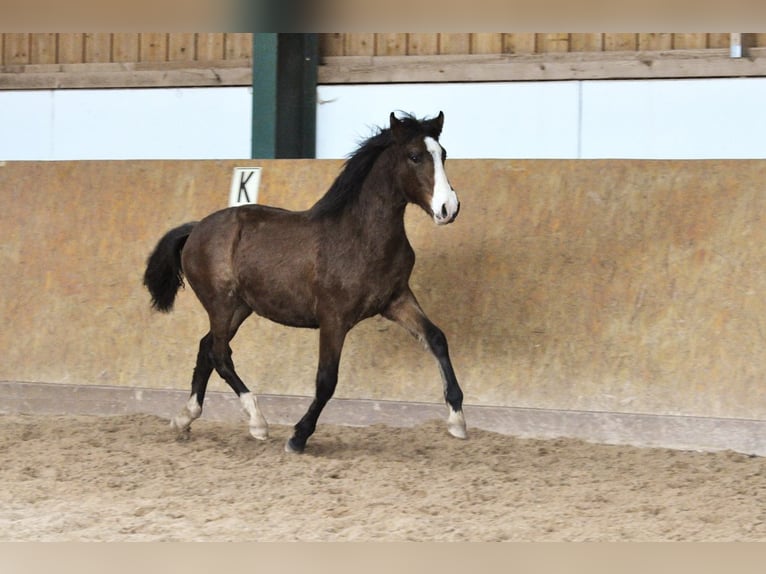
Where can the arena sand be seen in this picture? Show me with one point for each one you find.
(127, 478)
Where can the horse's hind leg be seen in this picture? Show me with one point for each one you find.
(202, 371)
(223, 330)
(406, 311)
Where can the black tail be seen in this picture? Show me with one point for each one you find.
(164, 275)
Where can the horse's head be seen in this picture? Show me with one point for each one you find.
(420, 166)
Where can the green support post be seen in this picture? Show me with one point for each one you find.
(284, 95)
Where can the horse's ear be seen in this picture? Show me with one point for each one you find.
(396, 127)
(438, 123)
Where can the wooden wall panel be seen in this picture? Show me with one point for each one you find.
(125, 47)
(655, 41)
(224, 58)
(238, 46)
(387, 44)
(210, 47)
(486, 43)
(359, 44)
(153, 47)
(455, 44)
(587, 42)
(98, 48)
(551, 43)
(620, 42)
(494, 57)
(42, 49)
(16, 49)
(391, 44)
(689, 41)
(72, 48)
(717, 41)
(181, 47)
(331, 44)
(519, 43)
(423, 44)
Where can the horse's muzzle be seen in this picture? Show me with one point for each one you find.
(447, 215)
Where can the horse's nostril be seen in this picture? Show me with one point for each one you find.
(444, 210)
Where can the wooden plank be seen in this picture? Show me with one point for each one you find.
(486, 43)
(70, 48)
(98, 48)
(391, 44)
(127, 75)
(153, 47)
(16, 49)
(331, 44)
(238, 46)
(519, 43)
(454, 43)
(125, 47)
(423, 44)
(181, 47)
(586, 42)
(209, 47)
(620, 42)
(717, 41)
(42, 49)
(360, 44)
(439, 68)
(532, 67)
(547, 43)
(689, 41)
(655, 41)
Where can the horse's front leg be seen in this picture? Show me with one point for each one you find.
(331, 339)
(405, 311)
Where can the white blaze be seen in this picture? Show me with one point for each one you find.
(444, 195)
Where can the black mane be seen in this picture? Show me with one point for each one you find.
(346, 186)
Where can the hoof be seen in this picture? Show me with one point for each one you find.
(183, 434)
(259, 433)
(456, 424)
(293, 448)
(182, 426)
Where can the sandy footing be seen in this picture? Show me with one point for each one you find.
(128, 478)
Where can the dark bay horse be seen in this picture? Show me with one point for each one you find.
(343, 260)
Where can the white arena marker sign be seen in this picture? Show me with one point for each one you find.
(244, 185)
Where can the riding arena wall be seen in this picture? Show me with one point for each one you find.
(603, 286)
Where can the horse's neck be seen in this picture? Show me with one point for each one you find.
(379, 209)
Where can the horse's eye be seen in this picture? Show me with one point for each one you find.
(415, 157)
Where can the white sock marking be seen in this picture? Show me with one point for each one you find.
(259, 428)
(456, 424)
(188, 414)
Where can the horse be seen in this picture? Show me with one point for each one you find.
(345, 259)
